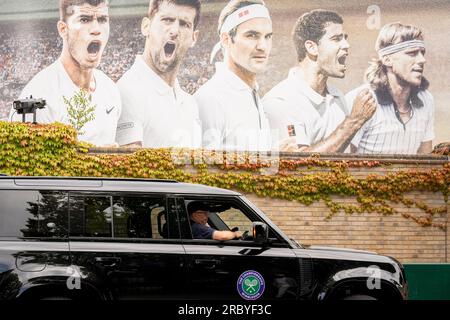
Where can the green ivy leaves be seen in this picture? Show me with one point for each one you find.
(80, 110)
(53, 150)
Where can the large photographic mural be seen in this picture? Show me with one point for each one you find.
(313, 76)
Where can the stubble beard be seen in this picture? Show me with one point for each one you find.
(404, 83)
(330, 72)
(244, 70)
(165, 68)
(72, 47)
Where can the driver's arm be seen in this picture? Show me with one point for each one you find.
(226, 235)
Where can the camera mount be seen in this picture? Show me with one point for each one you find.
(30, 105)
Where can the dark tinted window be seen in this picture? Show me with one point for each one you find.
(143, 217)
(99, 216)
(90, 216)
(33, 214)
(223, 215)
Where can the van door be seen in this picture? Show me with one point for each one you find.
(34, 249)
(128, 244)
(236, 269)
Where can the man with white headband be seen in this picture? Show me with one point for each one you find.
(404, 119)
(231, 111)
(303, 106)
(84, 30)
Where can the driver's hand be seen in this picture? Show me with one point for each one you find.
(237, 234)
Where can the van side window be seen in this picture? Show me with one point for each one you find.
(120, 217)
(221, 215)
(235, 217)
(33, 214)
(90, 216)
(53, 208)
(142, 217)
(16, 212)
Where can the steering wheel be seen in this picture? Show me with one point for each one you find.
(235, 229)
(245, 235)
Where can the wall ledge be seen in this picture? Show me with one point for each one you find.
(429, 159)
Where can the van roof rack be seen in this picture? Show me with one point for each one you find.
(90, 178)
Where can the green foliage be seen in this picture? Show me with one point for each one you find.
(53, 150)
(442, 149)
(27, 149)
(79, 109)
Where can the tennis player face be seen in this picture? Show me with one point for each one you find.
(170, 33)
(408, 66)
(86, 33)
(332, 51)
(250, 48)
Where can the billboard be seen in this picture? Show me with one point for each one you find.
(162, 112)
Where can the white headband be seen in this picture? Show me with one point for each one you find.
(400, 47)
(238, 17)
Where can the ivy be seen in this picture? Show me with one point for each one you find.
(79, 110)
(53, 150)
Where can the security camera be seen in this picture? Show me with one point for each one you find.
(30, 105)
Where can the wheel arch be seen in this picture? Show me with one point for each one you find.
(39, 291)
(358, 286)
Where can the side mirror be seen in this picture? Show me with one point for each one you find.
(260, 232)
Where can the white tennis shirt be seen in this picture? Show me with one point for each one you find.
(384, 133)
(154, 113)
(232, 114)
(294, 109)
(53, 83)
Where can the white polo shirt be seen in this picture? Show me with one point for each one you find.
(294, 109)
(53, 83)
(232, 114)
(153, 112)
(385, 133)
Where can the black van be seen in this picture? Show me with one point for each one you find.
(93, 238)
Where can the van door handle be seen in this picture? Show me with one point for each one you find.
(108, 261)
(207, 263)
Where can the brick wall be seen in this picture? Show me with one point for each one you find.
(390, 235)
(447, 239)
(393, 235)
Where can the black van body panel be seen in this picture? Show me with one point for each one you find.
(108, 258)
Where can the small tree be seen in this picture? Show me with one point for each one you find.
(80, 110)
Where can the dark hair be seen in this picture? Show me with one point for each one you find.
(231, 7)
(195, 4)
(311, 26)
(196, 206)
(65, 6)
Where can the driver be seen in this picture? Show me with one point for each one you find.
(198, 213)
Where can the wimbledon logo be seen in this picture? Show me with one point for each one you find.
(251, 285)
